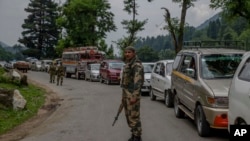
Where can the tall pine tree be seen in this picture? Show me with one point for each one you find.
(40, 29)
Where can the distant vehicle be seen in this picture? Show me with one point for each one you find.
(21, 65)
(36, 66)
(92, 72)
(9, 65)
(110, 71)
(239, 94)
(2, 63)
(45, 64)
(161, 81)
(75, 60)
(147, 67)
(201, 77)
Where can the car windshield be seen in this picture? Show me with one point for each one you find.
(219, 65)
(116, 65)
(95, 67)
(148, 68)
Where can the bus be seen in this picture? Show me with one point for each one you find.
(75, 60)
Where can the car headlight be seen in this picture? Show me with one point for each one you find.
(218, 101)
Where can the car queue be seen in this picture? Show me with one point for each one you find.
(203, 83)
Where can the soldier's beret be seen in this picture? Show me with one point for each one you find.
(130, 48)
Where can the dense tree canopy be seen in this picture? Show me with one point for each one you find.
(233, 8)
(85, 22)
(40, 30)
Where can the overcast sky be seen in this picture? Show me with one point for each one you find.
(12, 15)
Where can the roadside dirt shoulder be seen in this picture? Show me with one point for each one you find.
(51, 103)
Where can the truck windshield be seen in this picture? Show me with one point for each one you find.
(219, 65)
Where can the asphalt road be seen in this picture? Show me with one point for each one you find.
(88, 110)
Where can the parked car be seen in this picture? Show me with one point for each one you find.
(147, 67)
(45, 64)
(9, 65)
(110, 71)
(21, 65)
(35, 66)
(202, 73)
(92, 72)
(239, 94)
(161, 81)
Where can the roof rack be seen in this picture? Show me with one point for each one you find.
(214, 44)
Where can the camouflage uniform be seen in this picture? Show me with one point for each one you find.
(60, 74)
(52, 73)
(132, 81)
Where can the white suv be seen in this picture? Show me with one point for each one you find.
(239, 94)
(161, 81)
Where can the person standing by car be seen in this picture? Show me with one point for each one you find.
(132, 81)
(52, 73)
(60, 74)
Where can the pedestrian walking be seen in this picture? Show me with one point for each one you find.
(60, 74)
(52, 73)
(132, 81)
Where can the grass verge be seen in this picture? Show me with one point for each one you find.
(35, 98)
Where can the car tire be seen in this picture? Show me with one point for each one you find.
(108, 82)
(178, 112)
(78, 76)
(168, 100)
(152, 96)
(201, 123)
(100, 79)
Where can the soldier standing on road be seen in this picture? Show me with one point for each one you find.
(60, 74)
(52, 73)
(132, 81)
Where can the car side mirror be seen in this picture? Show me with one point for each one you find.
(190, 72)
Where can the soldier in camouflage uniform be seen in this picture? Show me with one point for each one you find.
(60, 74)
(52, 73)
(132, 81)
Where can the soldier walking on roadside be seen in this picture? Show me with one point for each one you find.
(52, 73)
(132, 81)
(60, 74)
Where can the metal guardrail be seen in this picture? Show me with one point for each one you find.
(214, 44)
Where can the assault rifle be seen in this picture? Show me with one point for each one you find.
(118, 113)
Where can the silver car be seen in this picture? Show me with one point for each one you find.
(201, 78)
(148, 67)
(161, 81)
(92, 72)
(239, 94)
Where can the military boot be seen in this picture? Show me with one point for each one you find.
(137, 138)
(132, 138)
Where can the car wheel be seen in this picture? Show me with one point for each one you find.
(152, 96)
(241, 122)
(178, 112)
(201, 123)
(108, 82)
(168, 100)
(77, 76)
(101, 79)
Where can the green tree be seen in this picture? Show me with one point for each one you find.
(147, 54)
(166, 54)
(109, 51)
(4, 55)
(132, 26)
(40, 30)
(233, 8)
(85, 23)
